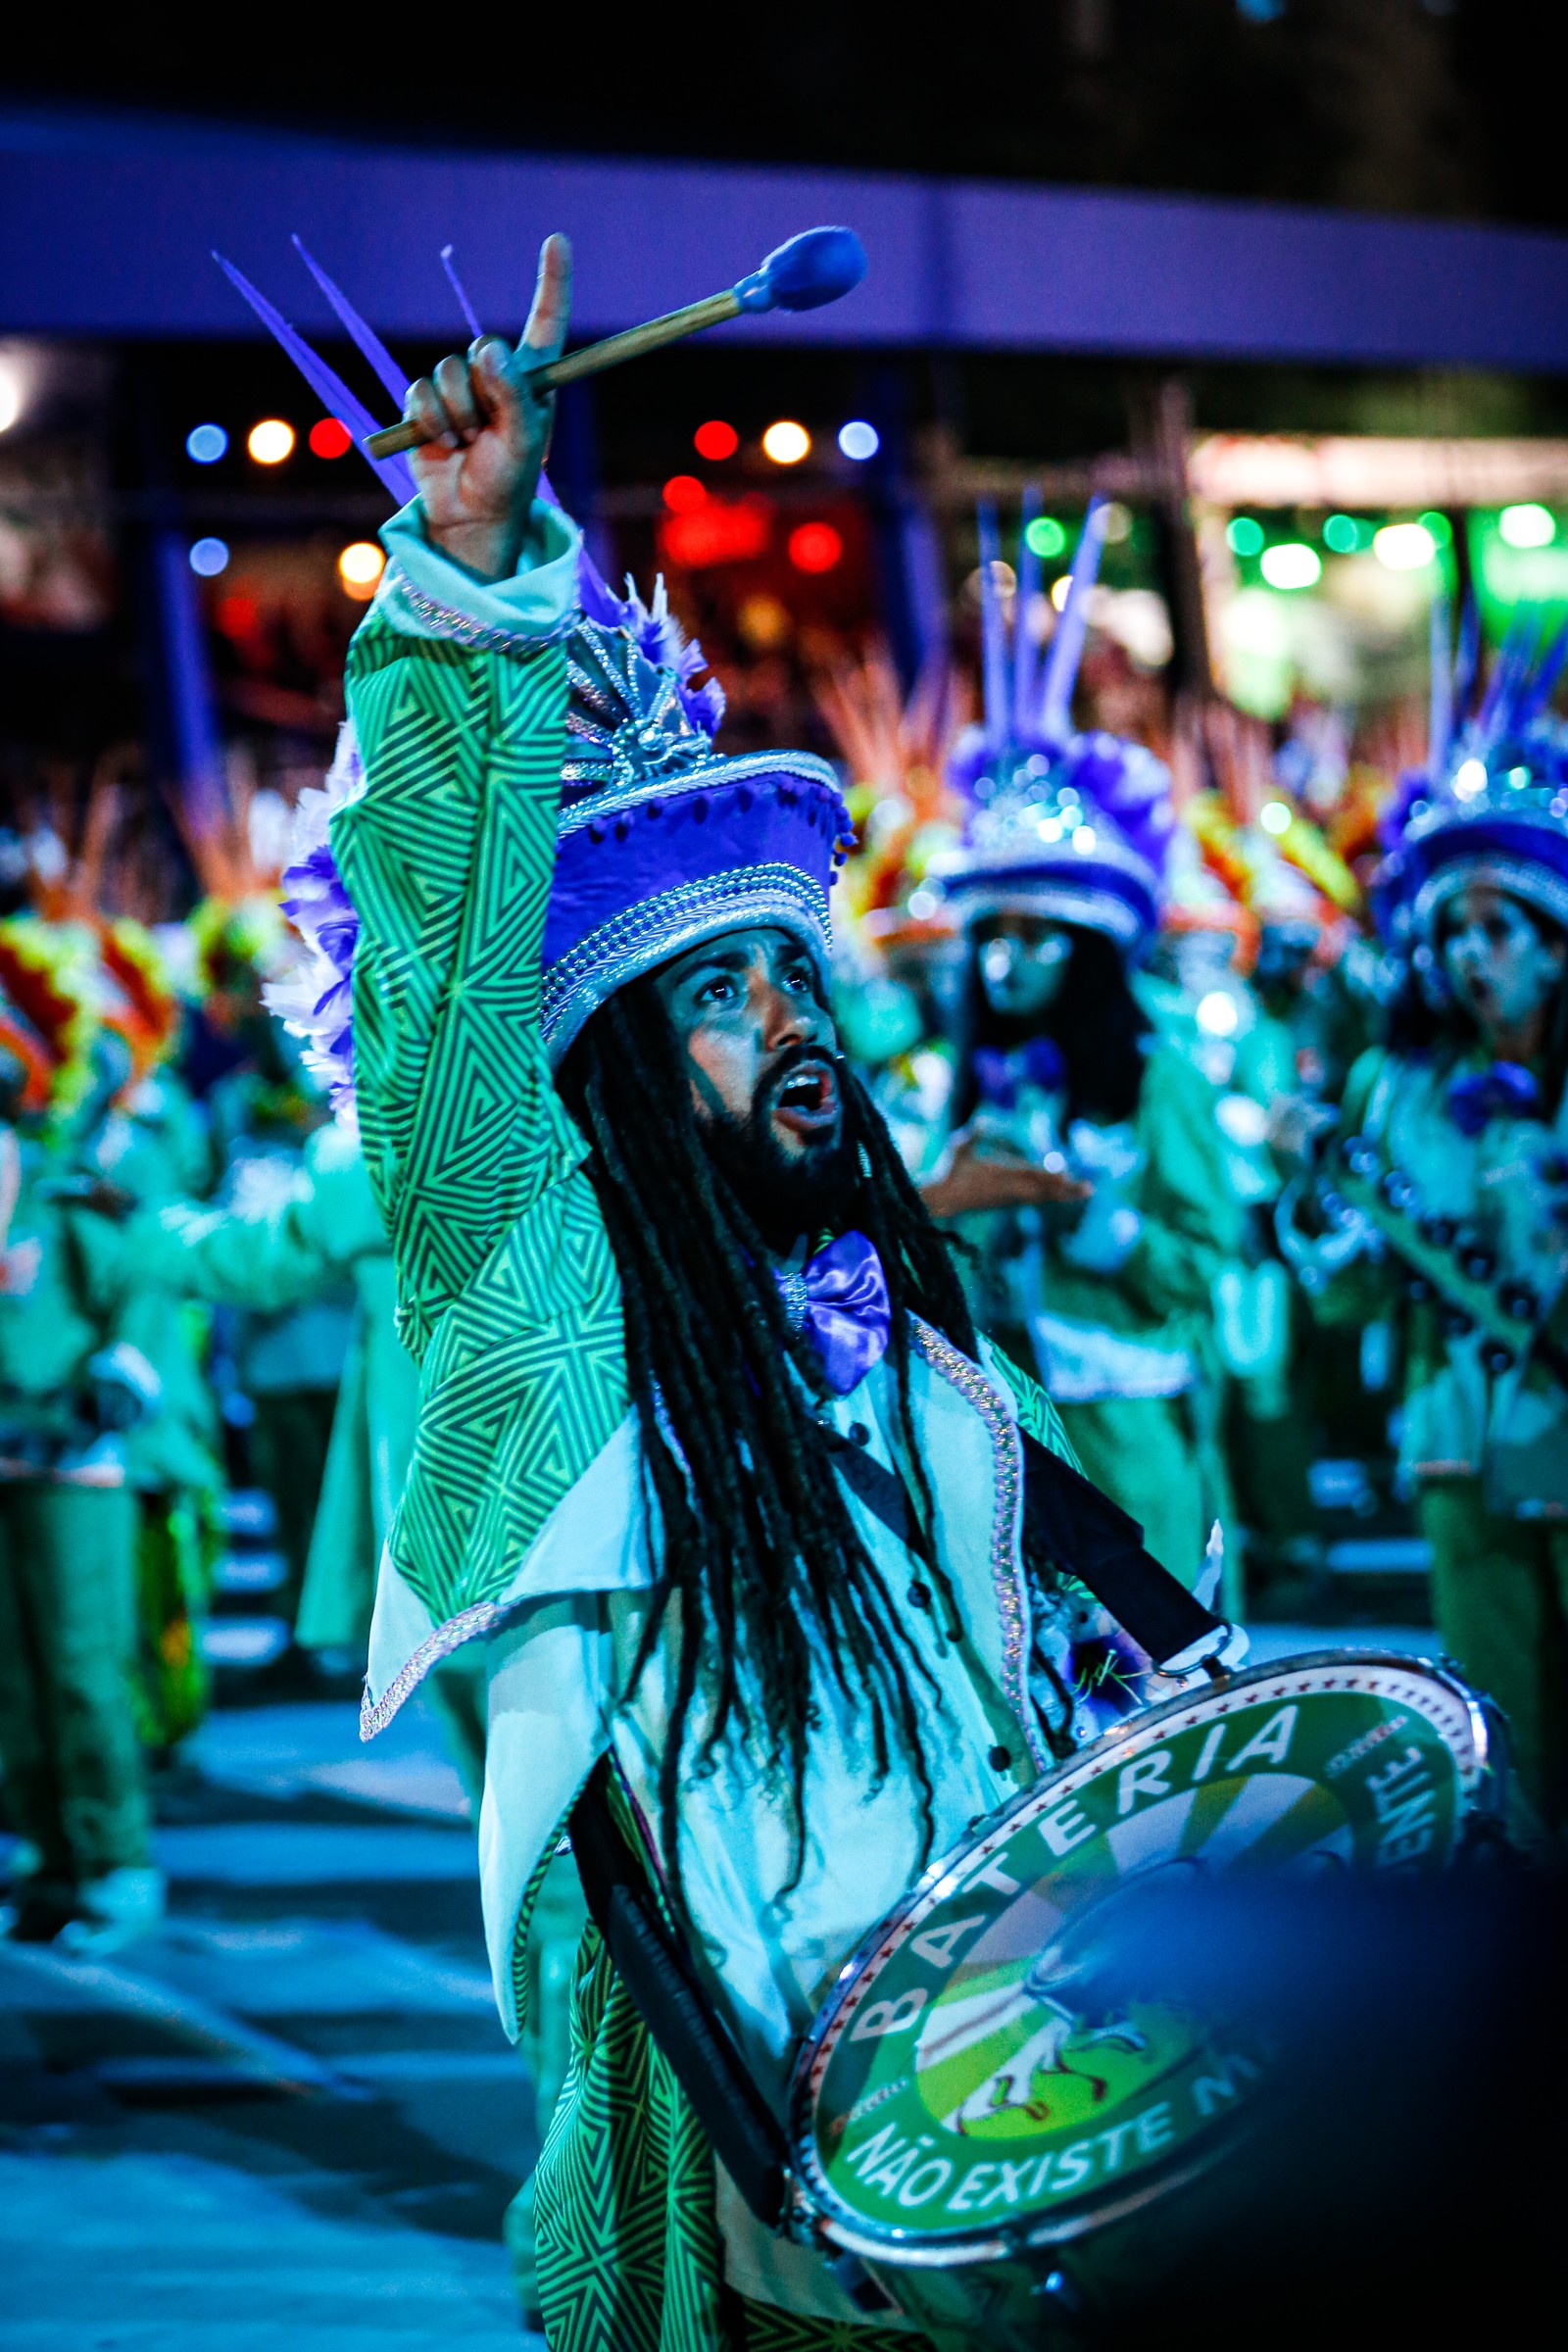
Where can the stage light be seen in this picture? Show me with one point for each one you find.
(1341, 534)
(1527, 526)
(1217, 1014)
(814, 546)
(1274, 818)
(684, 493)
(1291, 564)
(207, 558)
(330, 437)
(360, 568)
(1404, 546)
(1058, 591)
(859, 440)
(786, 442)
(270, 441)
(1045, 536)
(1441, 528)
(1244, 535)
(715, 440)
(205, 444)
(1115, 522)
(1083, 840)
(1471, 779)
(719, 531)
(13, 394)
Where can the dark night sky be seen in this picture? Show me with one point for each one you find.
(1431, 106)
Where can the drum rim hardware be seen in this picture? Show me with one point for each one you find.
(819, 2210)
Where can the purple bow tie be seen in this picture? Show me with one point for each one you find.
(841, 1299)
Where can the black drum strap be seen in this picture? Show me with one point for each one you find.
(1071, 1522)
(682, 2021)
(1092, 1539)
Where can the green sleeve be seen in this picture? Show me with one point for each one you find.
(281, 1258)
(1193, 1222)
(1367, 1289)
(508, 1291)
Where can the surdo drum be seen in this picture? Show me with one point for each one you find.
(998, 2132)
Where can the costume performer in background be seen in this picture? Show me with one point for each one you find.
(71, 1389)
(1453, 1139)
(287, 1362)
(1087, 1171)
(678, 1311)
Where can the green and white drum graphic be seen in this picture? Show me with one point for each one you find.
(974, 2090)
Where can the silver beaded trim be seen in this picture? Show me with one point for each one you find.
(1521, 877)
(1007, 1576)
(796, 1296)
(711, 773)
(441, 1643)
(631, 943)
(1050, 896)
(444, 621)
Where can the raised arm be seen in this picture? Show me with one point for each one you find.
(458, 687)
(508, 1291)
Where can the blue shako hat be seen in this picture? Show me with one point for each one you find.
(1072, 826)
(1490, 805)
(661, 839)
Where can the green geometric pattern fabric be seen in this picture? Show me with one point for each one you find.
(626, 2237)
(508, 1291)
(766, 2329)
(1038, 1417)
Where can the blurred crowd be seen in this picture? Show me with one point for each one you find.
(1240, 1089)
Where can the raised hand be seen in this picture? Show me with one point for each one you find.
(490, 434)
(973, 1181)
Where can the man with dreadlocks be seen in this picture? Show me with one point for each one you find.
(680, 1314)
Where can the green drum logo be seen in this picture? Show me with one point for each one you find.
(988, 2067)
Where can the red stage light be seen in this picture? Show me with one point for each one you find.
(716, 533)
(330, 437)
(814, 546)
(237, 616)
(684, 493)
(716, 440)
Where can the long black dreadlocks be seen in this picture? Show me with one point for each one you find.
(760, 1551)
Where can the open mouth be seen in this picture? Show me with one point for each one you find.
(807, 1103)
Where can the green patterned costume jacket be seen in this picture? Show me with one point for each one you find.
(524, 1519)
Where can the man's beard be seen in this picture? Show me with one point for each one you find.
(783, 1195)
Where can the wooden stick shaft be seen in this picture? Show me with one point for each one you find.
(593, 357)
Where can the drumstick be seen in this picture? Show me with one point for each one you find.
(815, 267)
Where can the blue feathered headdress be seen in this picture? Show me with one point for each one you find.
(1069, 825)
(1490, 804)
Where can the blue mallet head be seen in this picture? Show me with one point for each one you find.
(816, 267)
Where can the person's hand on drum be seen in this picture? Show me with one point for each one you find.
(971, 1179)
(490, 433)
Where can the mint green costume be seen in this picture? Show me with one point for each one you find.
(319, 1231)
(291, 1358)
(75, 1788)
(524, 1519)
(1485, 1452)
(1126, 1355)
(154, 1145)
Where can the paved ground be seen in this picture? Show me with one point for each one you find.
(292, 2120)
(290, 2123)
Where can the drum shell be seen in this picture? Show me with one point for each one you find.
(1077, 2280)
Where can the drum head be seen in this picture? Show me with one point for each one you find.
(971, 2091)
